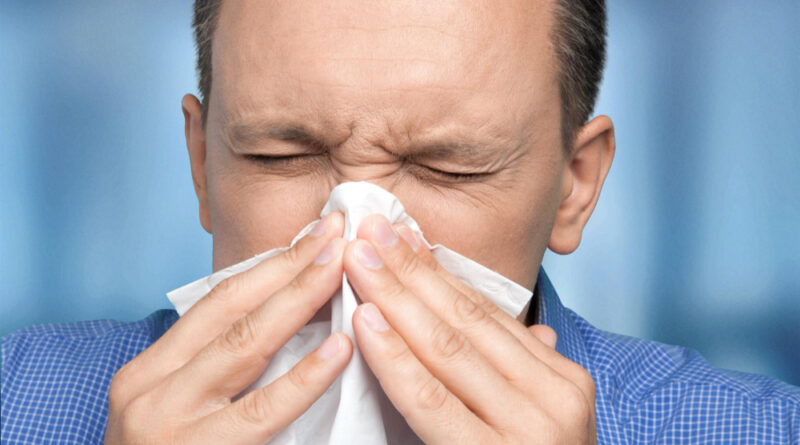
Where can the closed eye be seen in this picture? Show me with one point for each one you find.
(277, 161)
(427, 172)
(423, 172)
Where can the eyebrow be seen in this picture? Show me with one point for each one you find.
(448, 149)
(253, 134)
(250, 135)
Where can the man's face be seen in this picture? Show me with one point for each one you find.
(394, 93)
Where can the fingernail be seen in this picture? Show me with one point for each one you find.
(407, 234)
(372, 315)
(327, 254)
(384, 233)
(367, 256)
(329, 347)
(320, 227)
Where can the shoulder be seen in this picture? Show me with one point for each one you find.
(666, 393)
(55, 377)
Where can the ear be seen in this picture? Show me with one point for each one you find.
(584, 174)
(196, 145)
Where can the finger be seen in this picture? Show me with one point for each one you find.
(503, 350)
(444, 350)
(567, 368)
(235, 358)
(544, 334)
(572, 371)
(431, 410)
(510, 323)
(230, 300)
(260, 414)
(539, 347)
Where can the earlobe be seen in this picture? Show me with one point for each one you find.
(584, 174)
(196, 146)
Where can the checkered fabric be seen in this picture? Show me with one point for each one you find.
(55, 380)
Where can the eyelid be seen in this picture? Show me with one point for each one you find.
(276, 159)
(442, 175)
(455, 176)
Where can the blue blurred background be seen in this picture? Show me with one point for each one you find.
(695, 241)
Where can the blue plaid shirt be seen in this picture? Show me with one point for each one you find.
(55, 380)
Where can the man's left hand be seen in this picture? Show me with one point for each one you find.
(458, 368)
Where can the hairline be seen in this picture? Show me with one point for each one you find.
(572, 114)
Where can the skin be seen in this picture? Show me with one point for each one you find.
(395, 95)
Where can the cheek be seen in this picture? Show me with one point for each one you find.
(251, 213)
(507, 233)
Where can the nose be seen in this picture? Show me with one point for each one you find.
(360, 160)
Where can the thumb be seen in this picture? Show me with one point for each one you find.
(545, 334)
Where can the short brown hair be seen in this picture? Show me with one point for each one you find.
(579, 39)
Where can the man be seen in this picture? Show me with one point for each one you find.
(474, 114)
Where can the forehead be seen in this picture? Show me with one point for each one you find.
(413, 64)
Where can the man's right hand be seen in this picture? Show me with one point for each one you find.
(180, 389)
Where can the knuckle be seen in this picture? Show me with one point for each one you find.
(550, 431)
(467, 311)
(296, 285)
(143, 419)
(447, 342)
(134, 416)
(303, 282)
(575, 403)
(484, 303)
(394, 291)
(118, 389)
(546, 424)
(430, 261)
(409, 265)
(580, 378)
(297, 378)
(292, 255)
(585, 383)
(226, 289)
(398, 352)
(431, 395)
(389, 290)
(240, 335)
(257, 407)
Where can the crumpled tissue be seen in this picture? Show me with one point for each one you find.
(354, 410)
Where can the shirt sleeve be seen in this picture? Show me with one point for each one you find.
(55, 377)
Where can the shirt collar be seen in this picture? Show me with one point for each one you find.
(547, 309)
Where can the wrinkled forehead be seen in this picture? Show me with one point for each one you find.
(409, 62)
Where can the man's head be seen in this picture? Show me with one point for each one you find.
(471, 112)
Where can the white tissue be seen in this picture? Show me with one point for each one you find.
(354, 410)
